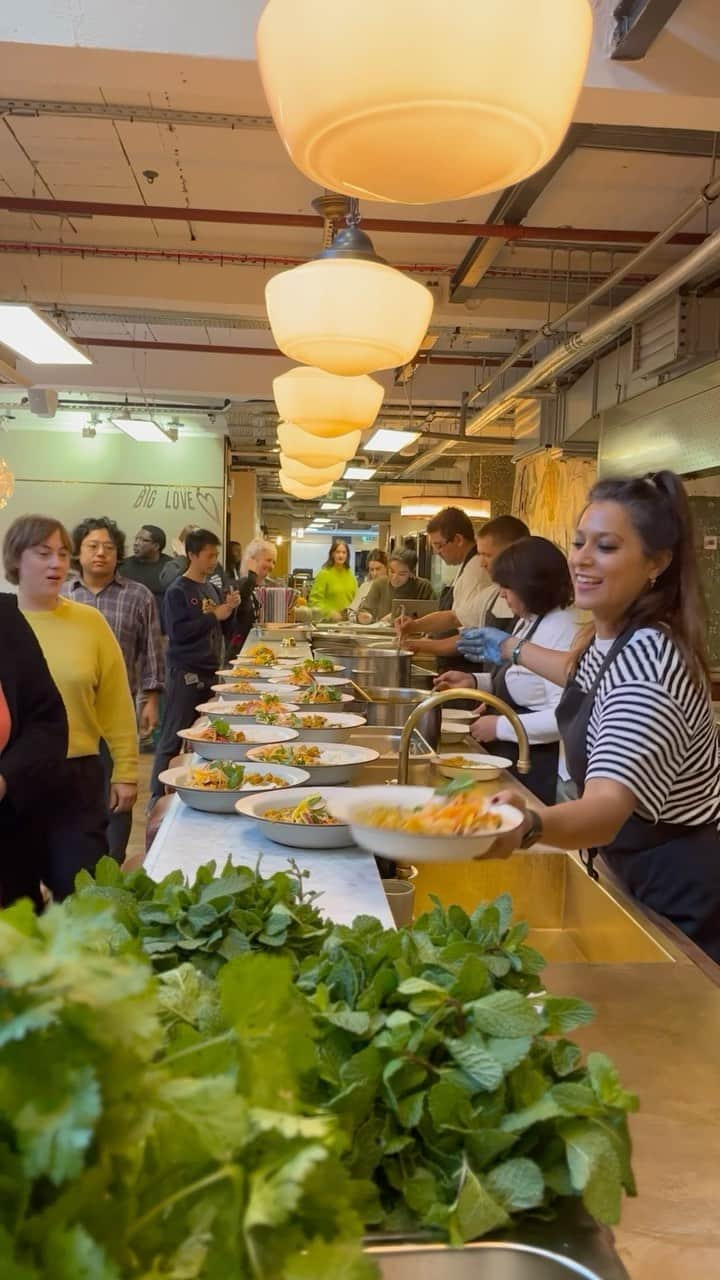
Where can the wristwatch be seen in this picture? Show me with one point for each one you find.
(534, 831)
(515, 655)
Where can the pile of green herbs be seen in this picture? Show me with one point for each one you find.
(211, 1081)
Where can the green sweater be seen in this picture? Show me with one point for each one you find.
(333, 590)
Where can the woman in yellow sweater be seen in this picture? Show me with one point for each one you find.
(87, 666)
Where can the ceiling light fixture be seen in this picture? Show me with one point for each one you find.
(297, 469)
(359, 473)
(325, 404)
(143, 430)
(346, 311)
(384, 440)
(476, 508)
(330, 506)
(316, 451)
(34, 338)
(477, 100)
(305, 492)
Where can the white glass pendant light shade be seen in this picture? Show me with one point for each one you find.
(347, 315)
(297, 489)
(325, 404)
(316, 451)
(297, 469)
(414, 101)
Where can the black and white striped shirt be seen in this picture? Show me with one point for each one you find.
(653, 730)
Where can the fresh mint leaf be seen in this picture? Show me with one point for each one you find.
(606, 1084)
(475, 1213)
(470, 1053)
(564, 1013)
(505, 1014)
(594, 1170)
(517, 1185)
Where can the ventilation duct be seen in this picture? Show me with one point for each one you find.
(679, 329)
(528, 414)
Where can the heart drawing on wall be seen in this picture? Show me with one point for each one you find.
(207, 502)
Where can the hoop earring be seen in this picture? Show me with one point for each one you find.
(652, 583)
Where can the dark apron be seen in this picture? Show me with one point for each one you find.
(544, 756)
(671, 867)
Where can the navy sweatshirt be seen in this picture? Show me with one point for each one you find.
(196, 640)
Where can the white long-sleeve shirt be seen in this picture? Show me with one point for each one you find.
(557, 630)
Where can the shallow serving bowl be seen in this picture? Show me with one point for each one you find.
(343, 724)
(483, 767)
(256, 735)
(309, 706)
(323, 682)
(234, 713)
(297, 835)
(224, 801)
(402, 846)
(227, 691)
(339, 762)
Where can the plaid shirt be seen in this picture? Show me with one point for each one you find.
(132, 615)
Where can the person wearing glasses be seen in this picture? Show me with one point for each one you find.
(131, 613)
(473, 599)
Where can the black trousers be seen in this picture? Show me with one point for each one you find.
(184, 690)
(119, 824)
(22, 845)
(76, 831)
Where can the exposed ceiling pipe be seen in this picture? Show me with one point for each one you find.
(704, 199)
(589, 340)
(219, 349)
(403, 226)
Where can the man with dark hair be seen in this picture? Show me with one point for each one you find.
(148, 560)
(130, 611)
(197, 622)
(472, 594)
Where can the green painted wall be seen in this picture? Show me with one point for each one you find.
(61, 474)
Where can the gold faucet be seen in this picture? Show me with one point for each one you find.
(452, 695)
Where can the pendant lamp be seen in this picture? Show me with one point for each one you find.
(315, 451)
(325, 404)
(347, 311)
(414, 102)
(298, 490)
(297, 469)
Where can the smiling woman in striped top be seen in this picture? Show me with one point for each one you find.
(636, 716)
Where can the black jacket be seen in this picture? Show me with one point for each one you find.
(38, 740)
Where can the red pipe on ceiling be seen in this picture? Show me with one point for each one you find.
(212, 349)
(404, 226)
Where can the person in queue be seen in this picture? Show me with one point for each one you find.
(131, 613)
(534, 580)
(635, 716)
(86, 663)
(258, 563)
(335, 586)
(400, 584)
(233, 564)
(198, 622)
(148, 560)
(33, 747)
(377, 567)
(472, 600)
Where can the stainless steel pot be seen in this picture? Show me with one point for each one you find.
(392, 706)
(387, 667)
(488, 1260)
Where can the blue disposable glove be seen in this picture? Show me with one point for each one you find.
(482, 644)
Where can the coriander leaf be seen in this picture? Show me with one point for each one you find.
(517, 1184)
(74, 1255)
(276, 1193)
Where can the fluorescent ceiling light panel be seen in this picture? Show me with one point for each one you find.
(384, 440)
(359, 473)
(476, 508)
(330, 506)
(36, 339)
(144, 430)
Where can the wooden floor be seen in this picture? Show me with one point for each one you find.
(136, 845)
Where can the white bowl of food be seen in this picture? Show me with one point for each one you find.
(314, 669)
(484, 768)
(217, 739)
(321, 696)
(259, 655)
(299, 817)
(302, 679)
(245, 711)
(327, 764)
(248, 670)
(323, 725)
(214, 785)
(246, 690)
(417, 824)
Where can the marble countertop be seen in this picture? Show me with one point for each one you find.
(347, 878)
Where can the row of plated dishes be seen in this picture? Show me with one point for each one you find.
(274, 746)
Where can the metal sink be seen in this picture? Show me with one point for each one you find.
(386, 740)
(573, 919)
